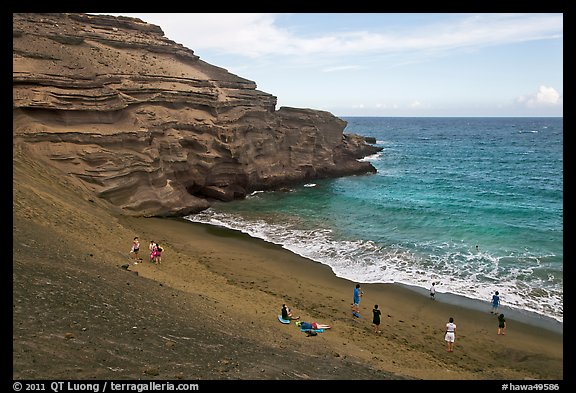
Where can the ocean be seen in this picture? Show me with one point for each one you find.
(473, 204)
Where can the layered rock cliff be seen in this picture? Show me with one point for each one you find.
(148, 126)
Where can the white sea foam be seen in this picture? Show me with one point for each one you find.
(365, 261)
(370, 158)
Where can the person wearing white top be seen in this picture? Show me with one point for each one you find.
(450, 334)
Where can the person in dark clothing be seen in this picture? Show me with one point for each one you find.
(501, 324)
(376, 319)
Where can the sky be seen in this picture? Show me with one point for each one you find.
(386, 64)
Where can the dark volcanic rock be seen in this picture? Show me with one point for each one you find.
(149, 127)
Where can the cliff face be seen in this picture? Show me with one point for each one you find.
(146, 125)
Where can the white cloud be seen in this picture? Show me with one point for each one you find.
(375, 59)
(342, 68)
(255, 35)
(545, 96)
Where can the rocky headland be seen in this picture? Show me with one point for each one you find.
(147, 126)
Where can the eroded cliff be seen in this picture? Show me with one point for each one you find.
(146, 125)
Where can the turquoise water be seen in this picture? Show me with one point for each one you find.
(443, 187)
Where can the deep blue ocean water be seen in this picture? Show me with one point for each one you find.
(443, 187)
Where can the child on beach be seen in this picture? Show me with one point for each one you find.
(495, 303)
(151, 249)
(157, 254)
(501, 324)
(376, 319)
(432, 291)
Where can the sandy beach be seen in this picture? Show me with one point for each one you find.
(412, 339)
(209, 310)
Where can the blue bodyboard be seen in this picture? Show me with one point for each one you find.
(283, 320)
(356, 314)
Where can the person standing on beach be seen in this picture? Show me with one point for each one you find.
(151, 247)
(376, 319)
(501, 324)
(433, 291)
(157, 253)
(495, 303)
(357, 295)
(136, 248)
(450, 335)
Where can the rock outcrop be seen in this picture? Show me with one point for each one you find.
(148, 126)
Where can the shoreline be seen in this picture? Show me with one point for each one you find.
(261, 276)
(524, 316)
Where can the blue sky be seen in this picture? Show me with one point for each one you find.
(386, 64)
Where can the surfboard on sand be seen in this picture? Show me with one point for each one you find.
(356, 314)
(283, 320)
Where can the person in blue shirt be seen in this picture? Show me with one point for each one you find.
(495, 303)
(357, 295)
